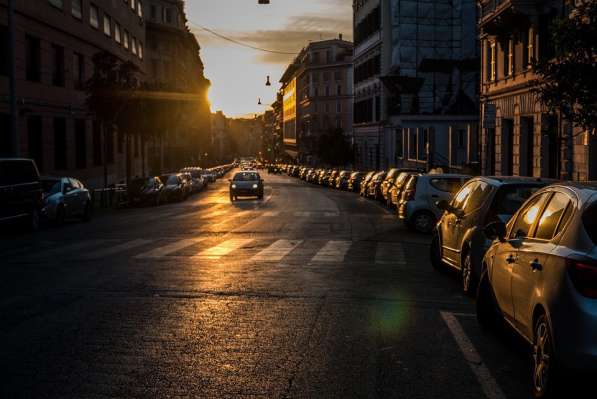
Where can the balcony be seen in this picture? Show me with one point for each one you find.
(496, 14)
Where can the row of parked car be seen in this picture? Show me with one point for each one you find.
(28, 199)
(525, 248)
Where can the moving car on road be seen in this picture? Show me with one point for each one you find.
(246, 184)
(418, 205)
(540, 276)
(459, 240)
(65, 198)
(20, 192)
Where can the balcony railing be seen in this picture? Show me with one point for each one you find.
(490, 6)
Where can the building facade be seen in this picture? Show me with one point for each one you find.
(55, 43)
(519, 136)
(317, 93)
(174, 66)
(416, 83)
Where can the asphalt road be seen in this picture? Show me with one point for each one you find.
(311, 292)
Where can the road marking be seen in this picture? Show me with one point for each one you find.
(331, 214)
(333, 251)
(168, 249)
(271, 214)
(223, 248)
(202, 213)
(488, 384)
(390, 253)
(70, 248)
(276, 251)
(115, 249)
(302, 214)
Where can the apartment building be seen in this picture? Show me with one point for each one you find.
(317, 91)
(55, 43)
(519, 136)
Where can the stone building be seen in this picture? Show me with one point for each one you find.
(55, 43)
(519, 137)
(317, 96)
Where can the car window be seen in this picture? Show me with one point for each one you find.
(51, 186)
(510, 198)
(448, 185)
(74, 183)
(552, 215)
(589, 219)
(461, 198)
(67, 186)
(246, 176)
(17, 172)
(527, 217)
(172, 179)
(478, 196)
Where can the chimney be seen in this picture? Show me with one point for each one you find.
(340, 36)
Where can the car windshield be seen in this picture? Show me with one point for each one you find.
(170, 180)
(589, 219)
(17, 172)
(511, 197)
(51, 186)
(246, 176)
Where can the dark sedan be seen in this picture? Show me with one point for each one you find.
(246, 184)
(146, 191)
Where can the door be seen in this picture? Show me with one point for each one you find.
(532, 255)
(507, 261)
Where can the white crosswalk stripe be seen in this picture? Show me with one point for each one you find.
(390, 253)
(271, 214)
(223, 248)
(276, 251)
(302, 214)
(202, 213)
(101, 253)
(165, 250)
(333, 251)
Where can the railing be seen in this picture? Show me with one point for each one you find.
(113, 197)
(490, 6)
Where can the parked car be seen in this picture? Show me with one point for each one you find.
(374, 186)
(246, 184)
(418, 205)
(459, 240)
(65, 198)
(387, 183)
(323, 177)
(342, 180)
(174, 187)
(540, 276)
(146, 191)
(187, 181)
(20, 192)
(397, 188)
(354, 181)
(365, 183)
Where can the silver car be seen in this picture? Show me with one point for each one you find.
(540, 275)
(64, 198)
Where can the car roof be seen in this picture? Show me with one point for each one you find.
(585, 191)
(503, 180)
(444, 176)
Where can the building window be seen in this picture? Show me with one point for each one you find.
(80, 144)
(492, 61)
(78, 71)
(77, 8)
(134, 46)
(93, 16)
(154, 12)
(530, 47)
(338, 75)
(139, 9)
(34, 140)
(339, 90)
(60, 161)
(399, 143)
(4, 46)
(338, 107)
(510, 70)
(327, 90)
(117, 37)
(57, 3)
(97, 143)
(33, 58)
(107, 25)
(133, 5)
(126, 39)
(58, 65)
(168, 13)
(140, 50)
(338, 123)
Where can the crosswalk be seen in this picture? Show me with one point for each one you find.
(255, 250)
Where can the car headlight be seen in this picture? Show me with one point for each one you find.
(233, 186)
(255, 186)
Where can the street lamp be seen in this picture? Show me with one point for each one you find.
(259, 101)
(268, 83)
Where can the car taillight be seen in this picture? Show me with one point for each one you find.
(584, 277)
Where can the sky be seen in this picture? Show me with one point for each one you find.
(238, 74)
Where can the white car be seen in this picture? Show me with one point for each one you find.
(418, 204)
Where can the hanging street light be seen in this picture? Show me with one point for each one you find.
(259, 102)
(268, 82)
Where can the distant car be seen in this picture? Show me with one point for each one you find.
(364, 186)
(374, 186)
(246, 184)
(20, 192)
(174, 187)
(459, 240)
(386, 185)
(331, 180)
(146, 191)
(65, 198)
(418, 204)
(397, 187)
(540, 276)
(354, 181)
(342, 180)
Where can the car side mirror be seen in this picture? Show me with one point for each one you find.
(495, 230)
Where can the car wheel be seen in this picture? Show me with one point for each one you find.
(435, 253)
(423, 222)
(488, 315)
(466, 274)
(86, 217)
(543, 360)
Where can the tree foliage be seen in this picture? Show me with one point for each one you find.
(568, 81)
(334, 149)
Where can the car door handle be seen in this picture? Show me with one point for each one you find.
(510, 259)
(536, 266)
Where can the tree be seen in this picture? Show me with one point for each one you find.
(334, 149)
(567, 81)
